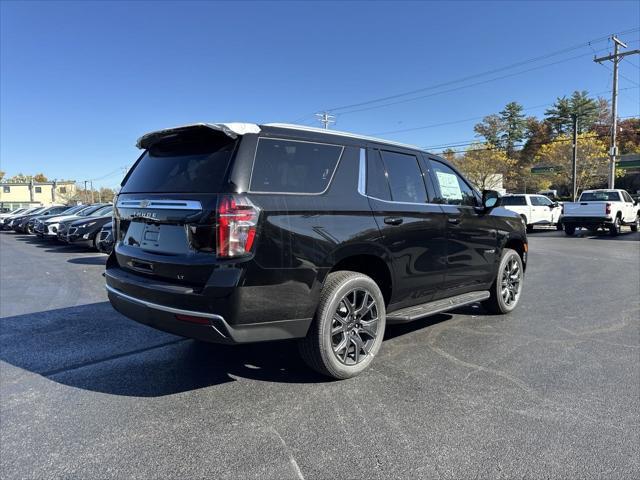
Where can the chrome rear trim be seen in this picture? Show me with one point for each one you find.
(161, 204)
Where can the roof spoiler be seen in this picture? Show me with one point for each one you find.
(233, 130)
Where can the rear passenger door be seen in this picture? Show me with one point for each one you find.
(471, 236)
(412, 228)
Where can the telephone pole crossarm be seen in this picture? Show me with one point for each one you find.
(620, 55)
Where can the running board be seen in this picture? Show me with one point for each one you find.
(437, 306)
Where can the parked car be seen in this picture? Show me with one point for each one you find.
(85, 231)
(606, 208)
(17, 222)
(9, 213)
(7, 222)
(47, 226)
(533, 209)
(98, 210)
(238, 233)
(28, 223)
(105, 238)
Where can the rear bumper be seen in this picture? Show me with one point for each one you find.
(199, 325)
(579, 221)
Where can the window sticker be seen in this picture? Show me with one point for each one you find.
(449, 186)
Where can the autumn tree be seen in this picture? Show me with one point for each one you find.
(591, 165)
(2, 174)
(483, 164)
(449, 154)
(490, 129)
(40, 177)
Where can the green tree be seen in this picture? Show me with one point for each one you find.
(589, 111)
(514, 125)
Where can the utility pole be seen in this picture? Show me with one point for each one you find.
(86, 197)
(326, 119)
(614, 102)
(91, 183)
(574, 157)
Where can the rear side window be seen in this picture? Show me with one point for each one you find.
(377, 184)
(291, 166)
(513, 201)
(186, 163)
(405, 177)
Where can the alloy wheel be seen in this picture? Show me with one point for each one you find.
(511, 280)
(354, 326)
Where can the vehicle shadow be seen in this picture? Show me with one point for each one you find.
(624, 236)
(93, 347)
(98, 260)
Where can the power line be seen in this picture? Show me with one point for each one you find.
(470, 119)
(469, 77)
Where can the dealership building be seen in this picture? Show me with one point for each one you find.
(21, 194)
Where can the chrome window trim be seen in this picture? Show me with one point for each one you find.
(255, 153)
(161, 204)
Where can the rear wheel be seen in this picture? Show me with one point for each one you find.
(347, 331)
(634, 226)
(569, 230)
(614, 228)
(507, 287)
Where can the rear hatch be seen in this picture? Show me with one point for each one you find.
(165, 217)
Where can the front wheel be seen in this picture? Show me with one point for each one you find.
(634, 226)
(347, 331)
(507, 287)
(569, 230)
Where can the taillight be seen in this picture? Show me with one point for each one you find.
(608, 208)
(236, 226)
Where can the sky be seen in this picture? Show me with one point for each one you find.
(81, 81)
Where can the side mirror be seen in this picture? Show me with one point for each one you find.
(490, 199)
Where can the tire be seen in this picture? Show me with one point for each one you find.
(569, 230)
(528, 227)
(634, 226)
(510, 265)
(345, 293)
(95, 243)
(614, 228)
(559, 226)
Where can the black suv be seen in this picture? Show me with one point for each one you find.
(239, 233)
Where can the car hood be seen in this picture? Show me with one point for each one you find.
(99, 221)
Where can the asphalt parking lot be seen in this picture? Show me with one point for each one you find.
(550, 391)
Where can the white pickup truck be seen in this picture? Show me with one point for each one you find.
(533, 209)
(595, 209)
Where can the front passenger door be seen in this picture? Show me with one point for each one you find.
(471, 237)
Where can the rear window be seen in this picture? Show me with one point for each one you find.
(188, 163)
(513, 201)
(290, 166)
(600, 197)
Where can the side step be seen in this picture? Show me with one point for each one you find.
(437, 306)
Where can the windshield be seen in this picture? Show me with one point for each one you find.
(185, 164)
(600, 197)
(89, 210)
(102, 212)
(74, 210)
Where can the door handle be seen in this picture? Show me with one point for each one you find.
(393, 220)
(453, 220)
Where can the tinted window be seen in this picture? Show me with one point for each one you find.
(600, 197)
(541, 201)
(405, 177)
(453, 189)
(290, 166)
(627, 197)
(182, 164)
(377, 184)
(513, 201)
